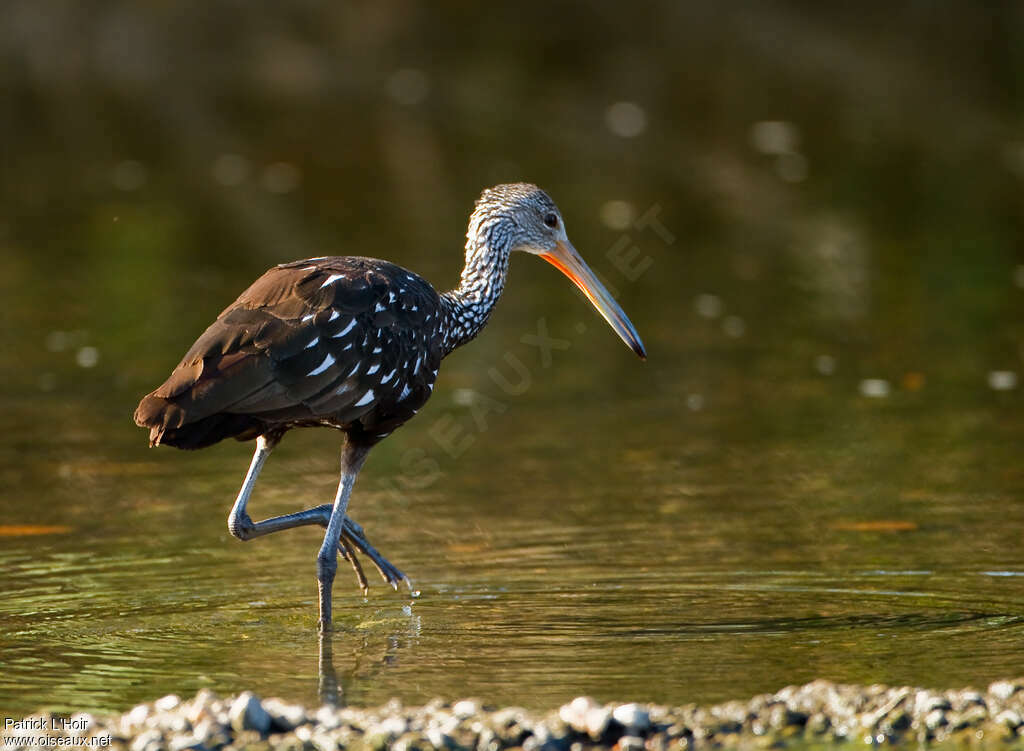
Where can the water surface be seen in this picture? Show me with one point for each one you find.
(816, 474)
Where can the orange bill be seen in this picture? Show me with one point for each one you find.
(565, 258)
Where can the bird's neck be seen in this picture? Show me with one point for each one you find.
(468, 306)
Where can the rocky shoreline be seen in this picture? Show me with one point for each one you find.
(816, 714)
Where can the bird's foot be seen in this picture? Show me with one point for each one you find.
(352, 535)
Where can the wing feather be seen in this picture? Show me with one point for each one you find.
(306, 341)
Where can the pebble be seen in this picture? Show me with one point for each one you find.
(437, 737)
(630, 743)
(393, 726)
(185, 743)
(199, 708)
(247, 713)
(284, 716)
(167, 703)
(136, 717)
(574, 713)
(935, 719)
(596, 721)
(1009, 718)
(632, 716)
(1003, 690)
(465, 708)
(816, 714)
(148, 740)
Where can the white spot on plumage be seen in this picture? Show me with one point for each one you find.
(354, 370)
(389, 376)
(367, 398)
(328, 362)
(391, 296)
(308, 318)
(332, 279)
(373, 368)
(334, 314)
(316, 341)
(405, 392)
(345, 330)
(347, 346)
(378, 308)
(377, 350)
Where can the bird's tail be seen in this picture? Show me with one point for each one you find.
(167, 426)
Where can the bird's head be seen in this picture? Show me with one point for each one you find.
(521, 216)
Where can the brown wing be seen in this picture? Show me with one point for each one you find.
(330, 340)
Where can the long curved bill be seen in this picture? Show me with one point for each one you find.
(565, 258)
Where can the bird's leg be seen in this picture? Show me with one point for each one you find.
(352, 535)
(243, 527)
(352, 457)
(239, 523)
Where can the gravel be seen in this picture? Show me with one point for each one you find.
(816, 714)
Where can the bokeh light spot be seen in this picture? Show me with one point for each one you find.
(875, 388)
(1002, 380)
(618, 215)
(708, 305)
(775, 137)
(626, 119)
(87, 357)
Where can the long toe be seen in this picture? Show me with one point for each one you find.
(354, 533)
(345, 548)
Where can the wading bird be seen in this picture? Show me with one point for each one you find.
(354, 344)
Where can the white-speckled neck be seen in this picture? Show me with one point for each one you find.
(468, 306)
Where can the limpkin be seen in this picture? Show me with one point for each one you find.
(354, 344)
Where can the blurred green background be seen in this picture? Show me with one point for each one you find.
(816, 474)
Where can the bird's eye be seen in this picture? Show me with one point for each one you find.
(551, 220)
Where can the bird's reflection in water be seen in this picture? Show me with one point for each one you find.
(364, 660)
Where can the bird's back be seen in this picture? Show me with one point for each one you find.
(344, 341)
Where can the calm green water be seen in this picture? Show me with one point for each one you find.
(817, 473)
